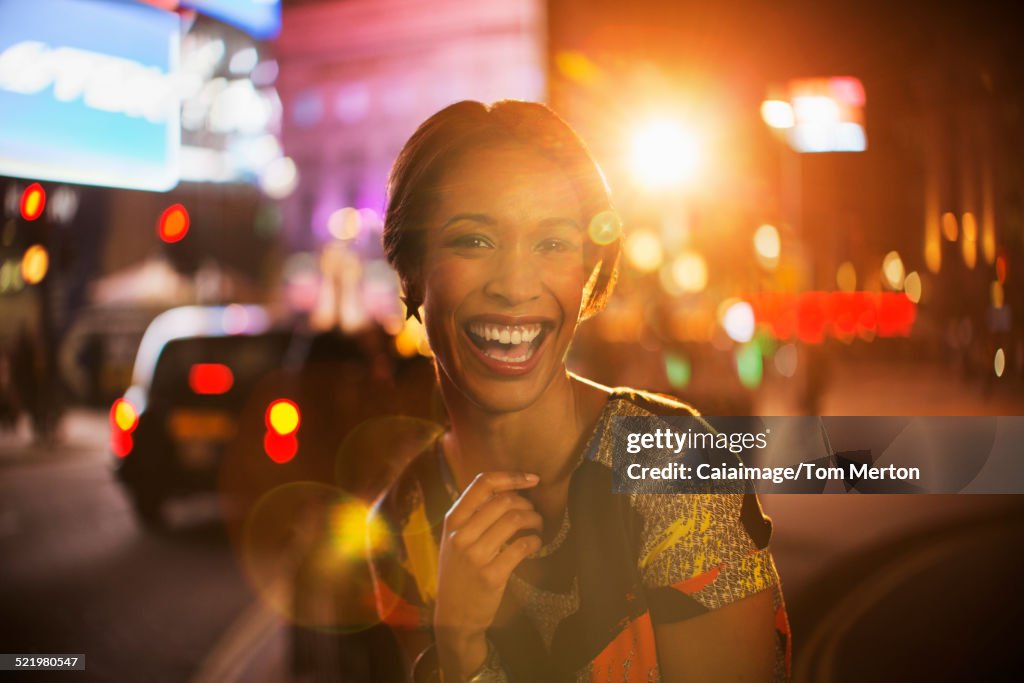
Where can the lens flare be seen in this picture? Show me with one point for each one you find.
(664, 154)
(294, 552)
(605, 228)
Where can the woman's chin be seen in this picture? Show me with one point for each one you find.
(503, 394)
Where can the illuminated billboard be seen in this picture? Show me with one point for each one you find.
(260, 18)
(821, 115)
(88, 93)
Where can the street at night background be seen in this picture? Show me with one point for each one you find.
(822, 208)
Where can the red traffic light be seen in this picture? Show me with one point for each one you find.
(33, 201)
(173, 224)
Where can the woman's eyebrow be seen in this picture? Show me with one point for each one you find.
(556, 221)
(475, 217)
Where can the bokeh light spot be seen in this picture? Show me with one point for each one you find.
(846, 277)
(912, 286)
(950, 229)
(766, 242)
(738, 321)
(999, 362)
(345, 224)
(777, 113)
(997, 294)
(173, 224)
(786, 360)
(892, 270)
(749, 365)
(34, 264)
(643, 250)
(969, 240)
(678, 370)
(690, 272)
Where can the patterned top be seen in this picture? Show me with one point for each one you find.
(618, 565)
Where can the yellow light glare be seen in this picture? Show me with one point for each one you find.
(999, 363)
(892, 270)
(643, 250)
(912, 287)
(690, 272)
(846, 277)
(354, 533)
(34, 264)
(412, 339)
(777, 113)
(766, 242)
(664, 154)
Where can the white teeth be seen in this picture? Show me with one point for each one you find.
(506, 334)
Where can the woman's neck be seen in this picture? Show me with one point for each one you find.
(541, 439)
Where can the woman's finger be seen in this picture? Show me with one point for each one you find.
(483, 487)
(487, 514)
(502, 531)
(502, 566)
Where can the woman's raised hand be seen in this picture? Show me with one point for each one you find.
(477, 557)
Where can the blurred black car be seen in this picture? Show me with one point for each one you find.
(173, 443)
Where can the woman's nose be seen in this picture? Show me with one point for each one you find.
(514, 279)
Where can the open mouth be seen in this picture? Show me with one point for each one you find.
(512, 344)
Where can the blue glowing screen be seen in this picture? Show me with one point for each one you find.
(260, 18)
(87, 93)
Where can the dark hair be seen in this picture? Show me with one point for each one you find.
(461, 127)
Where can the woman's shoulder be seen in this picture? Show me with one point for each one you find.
(627, 400)
(630, 401)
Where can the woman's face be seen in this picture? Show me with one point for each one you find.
(503, 275)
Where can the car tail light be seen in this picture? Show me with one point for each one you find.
(123, 421)
(280, 447)
(282, 419)
(210, 378)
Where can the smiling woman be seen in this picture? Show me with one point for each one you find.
(512, 559)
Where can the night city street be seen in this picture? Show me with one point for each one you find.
(286, 284)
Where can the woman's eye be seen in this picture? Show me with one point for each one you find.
(471, 242)
(556, 245)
